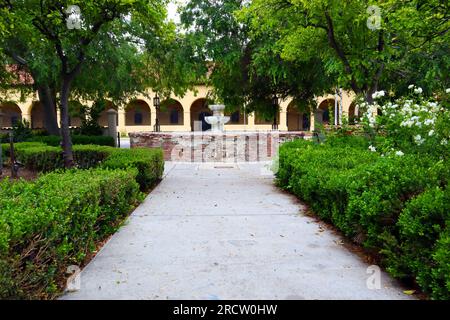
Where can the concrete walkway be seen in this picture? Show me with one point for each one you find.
(211, 232)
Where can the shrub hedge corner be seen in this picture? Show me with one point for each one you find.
(397, 207)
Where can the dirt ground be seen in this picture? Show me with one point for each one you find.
(23, 173)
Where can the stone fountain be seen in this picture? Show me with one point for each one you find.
(218, 120)
(215, 145)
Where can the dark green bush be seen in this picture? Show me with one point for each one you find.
(22, 131)
(5, 150)
(40, 158)
(376, 201)
(18, 146)
(43, 158)
(90, 156)
(94, 140)
(54, 222)
(424, 242)
(4, 138)
(150, 164)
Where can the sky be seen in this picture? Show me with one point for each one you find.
(172, 10)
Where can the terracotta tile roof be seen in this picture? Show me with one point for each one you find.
(22, 77)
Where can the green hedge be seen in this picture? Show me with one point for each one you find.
(150, 164)
(372, 199)
(54, 222)
(43, 158)
(18, 146)
(55, 141)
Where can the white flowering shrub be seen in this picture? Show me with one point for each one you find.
(408, 125)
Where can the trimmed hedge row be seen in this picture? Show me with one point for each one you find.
(44, 158)
(55, 141)
(55, 222)
(397, 207)
(150, 164)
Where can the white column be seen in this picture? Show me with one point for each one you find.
(122, 123)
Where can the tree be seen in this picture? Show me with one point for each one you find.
(365, 45)
(246, 69)
(49, 23)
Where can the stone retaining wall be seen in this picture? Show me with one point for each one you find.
(210, 147)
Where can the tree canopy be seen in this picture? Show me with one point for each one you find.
(91, 49)
(303, 48)
(246, 69)
(367, 44)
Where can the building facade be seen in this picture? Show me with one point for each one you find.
(184, 114)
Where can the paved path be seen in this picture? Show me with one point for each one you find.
(125, 143)
(225, 233)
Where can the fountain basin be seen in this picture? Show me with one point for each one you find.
(218, 120)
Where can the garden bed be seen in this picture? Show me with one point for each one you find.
(63, 217)
(23, 173)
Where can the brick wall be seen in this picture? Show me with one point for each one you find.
(209, 147)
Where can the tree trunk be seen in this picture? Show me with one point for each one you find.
(50, 117)
(65, 131)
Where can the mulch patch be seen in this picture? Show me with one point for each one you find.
(25, 174)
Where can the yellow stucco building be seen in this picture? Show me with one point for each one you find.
(184, 113)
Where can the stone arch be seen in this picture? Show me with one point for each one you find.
(171, 113)
(325, 111)
(103, 120)
(12, 114)
(138, 113)
(353, 113)
(199, 110)
(296, 120)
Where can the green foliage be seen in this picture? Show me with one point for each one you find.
(55, 141)
(104, 58)
(150, 164)
(19, 146)
(395, 206)
(410, 125)
(424, 227)
(55, 222)
(247, 69)
(43, 158)
(408, 46)
(22, 131)
(40, 158)
(4, 138)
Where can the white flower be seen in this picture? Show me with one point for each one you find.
(399, 154)
(431, 133)
(432, 105)
(447, 91)
(419, 140)
(411, 87)
(444, 142)
(373, 149)
(378, 94)
(418, 90)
